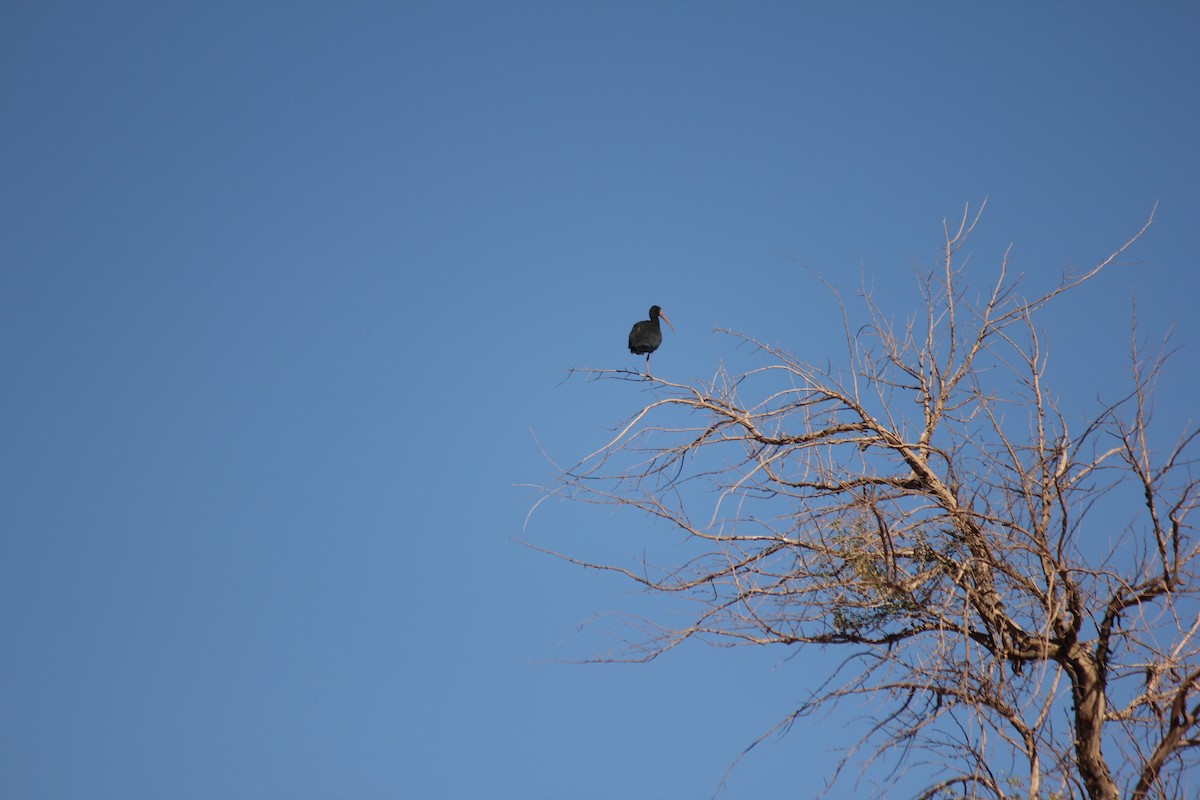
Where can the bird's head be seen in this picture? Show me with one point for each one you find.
(656, 313)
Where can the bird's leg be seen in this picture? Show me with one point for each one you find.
(647, 365)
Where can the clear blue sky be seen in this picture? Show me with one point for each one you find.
(285, 287)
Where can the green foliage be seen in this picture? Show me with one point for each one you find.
(878, 591)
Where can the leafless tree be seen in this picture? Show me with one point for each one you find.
(1019, 590)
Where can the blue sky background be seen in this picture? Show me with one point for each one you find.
(286, 286)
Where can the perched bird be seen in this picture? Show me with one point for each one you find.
(646, 336)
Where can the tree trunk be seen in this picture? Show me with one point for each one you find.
(1088, 689)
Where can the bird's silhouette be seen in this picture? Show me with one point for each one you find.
(646, 336)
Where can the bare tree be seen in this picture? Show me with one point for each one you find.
(1018, 589)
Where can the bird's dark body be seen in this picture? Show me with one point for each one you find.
(646, 336)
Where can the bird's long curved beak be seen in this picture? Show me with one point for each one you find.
(663, 317)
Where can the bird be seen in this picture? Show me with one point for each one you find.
(646, 335)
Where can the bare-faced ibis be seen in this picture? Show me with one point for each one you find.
(646, 336)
